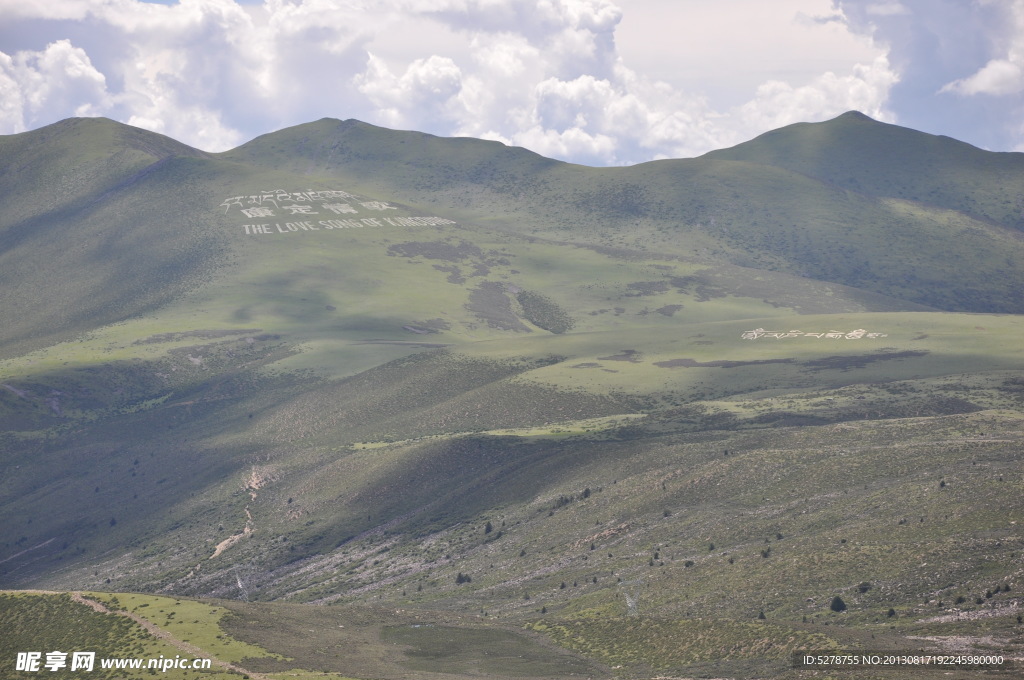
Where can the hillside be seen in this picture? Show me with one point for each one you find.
(889, 161)
(349, 366)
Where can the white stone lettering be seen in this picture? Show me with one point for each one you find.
(234, 200)
(832, 334)
(339, 208)
(256, 228)
(257, 212)
(299, 209)
(312, 202)
(377, 205)
(340, 224)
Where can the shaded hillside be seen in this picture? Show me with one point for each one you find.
(857, 153)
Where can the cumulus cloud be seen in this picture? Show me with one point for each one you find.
(1002, 75)
(545, 74)
(59, 77)
(960, 64)
(997, 77)
(866, 89)
(886, 8)
(425, 93)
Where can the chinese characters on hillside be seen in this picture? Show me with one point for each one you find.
(833, 335)
(317, 211)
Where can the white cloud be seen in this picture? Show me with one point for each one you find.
(546, 74)
(997, 77)
(961, 65)
(58, 78)
(887, 9)
(865, 90)
(426, 93)
(1003, 75)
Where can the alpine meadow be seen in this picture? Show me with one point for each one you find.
(352, 402)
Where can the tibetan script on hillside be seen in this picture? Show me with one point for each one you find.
(833, 335)
(300, 206)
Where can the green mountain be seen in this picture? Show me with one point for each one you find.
(857, 153)
(661, 415)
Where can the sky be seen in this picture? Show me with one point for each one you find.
(597, 82)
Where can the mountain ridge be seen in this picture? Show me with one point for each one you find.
(357, 367)
(812, 149)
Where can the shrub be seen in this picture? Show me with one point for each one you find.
(837, 604)
(544, 312)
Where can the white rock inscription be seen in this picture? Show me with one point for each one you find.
(832, 335)
(316, 204)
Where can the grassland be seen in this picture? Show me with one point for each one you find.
(453, 449)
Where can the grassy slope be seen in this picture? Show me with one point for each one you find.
(274, 640)
(894, 162)
(750, 213)
(334, 416)
(44, 623)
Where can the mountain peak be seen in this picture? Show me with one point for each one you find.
(855, 152)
